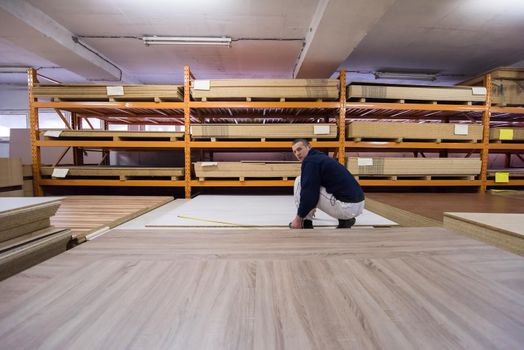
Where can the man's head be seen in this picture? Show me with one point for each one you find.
(301, 148)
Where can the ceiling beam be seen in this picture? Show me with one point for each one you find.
(31, 29)
(336, 29)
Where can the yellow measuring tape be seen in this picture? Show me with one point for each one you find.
(215, 221)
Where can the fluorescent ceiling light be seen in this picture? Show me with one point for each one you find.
(186, 40)
(406, 76)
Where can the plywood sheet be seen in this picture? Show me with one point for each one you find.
(506, 134)
(264, 131)
(415, 92)
(511, 223)
(53, 134)
(12, 204)
(82, 92)
(414, 131)
(247, 169)
(11, 172)
(250, 211)
(414, 166)
(269, 88)
(399, 288)
(87, 214)
(105, 171)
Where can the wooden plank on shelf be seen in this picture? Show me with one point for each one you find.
(59, 134)
(269, 89)
(415, 92)
(210, 170)
(87, 214)
(413, 166)
(269, 289)
(504, 230)
(85, 92)
(506, 134)
(112, 171)
(361, 130)
(267, 131)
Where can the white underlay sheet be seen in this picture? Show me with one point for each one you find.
(248, 211)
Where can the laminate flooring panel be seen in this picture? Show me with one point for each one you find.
(248, 211)
(433, 205)
(87, 214)
(394, 288)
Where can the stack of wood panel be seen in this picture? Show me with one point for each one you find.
(507, 86)
(410, 167)
(264, 131)
(26, 235)
(122, 173)
(246, 169)
(506, 134)
(414, 131)
(416, 92)
(27, 171)
(110, 135)
(92, 92)
(272, 89)
(11, 177)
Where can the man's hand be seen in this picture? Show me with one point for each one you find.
(296, 223)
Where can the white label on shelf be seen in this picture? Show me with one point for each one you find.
(321, 129)
(115, 90)
(53, 133)
(201, 84)
(209, 164)
(461, 129)
(364, 161)
(479, 90)
(60, 172)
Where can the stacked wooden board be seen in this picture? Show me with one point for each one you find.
(26, 235)
(507, 86)
(242, 170)
(398, 167)
(246, 89)
(264, 131)
(506, 134)
(360, 130)
(416, 92)
(109, 135)
(90, 92)
(122, 173)
(11, 177)
(27, 187)
(504, 230)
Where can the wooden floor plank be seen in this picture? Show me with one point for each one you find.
(87, 214)
(405, 288)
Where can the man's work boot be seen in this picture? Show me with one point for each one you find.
(307, 224)
(346, 223)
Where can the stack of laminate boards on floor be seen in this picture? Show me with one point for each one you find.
(360, 130)
(91, 92)
(413, 167)
(11, 177)
(246, 169)
(365, 91)
(26, 235)
(323, 89)
(507, 86)
(264, 131)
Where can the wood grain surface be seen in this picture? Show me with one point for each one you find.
(87, 214)
(433, 205)
(395, 288)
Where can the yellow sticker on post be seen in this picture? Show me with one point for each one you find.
(501, 176)
(506, 134)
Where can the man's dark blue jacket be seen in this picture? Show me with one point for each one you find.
(320, 170)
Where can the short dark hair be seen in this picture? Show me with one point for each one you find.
(304, 142)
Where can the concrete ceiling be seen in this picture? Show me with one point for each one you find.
(271, 39)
